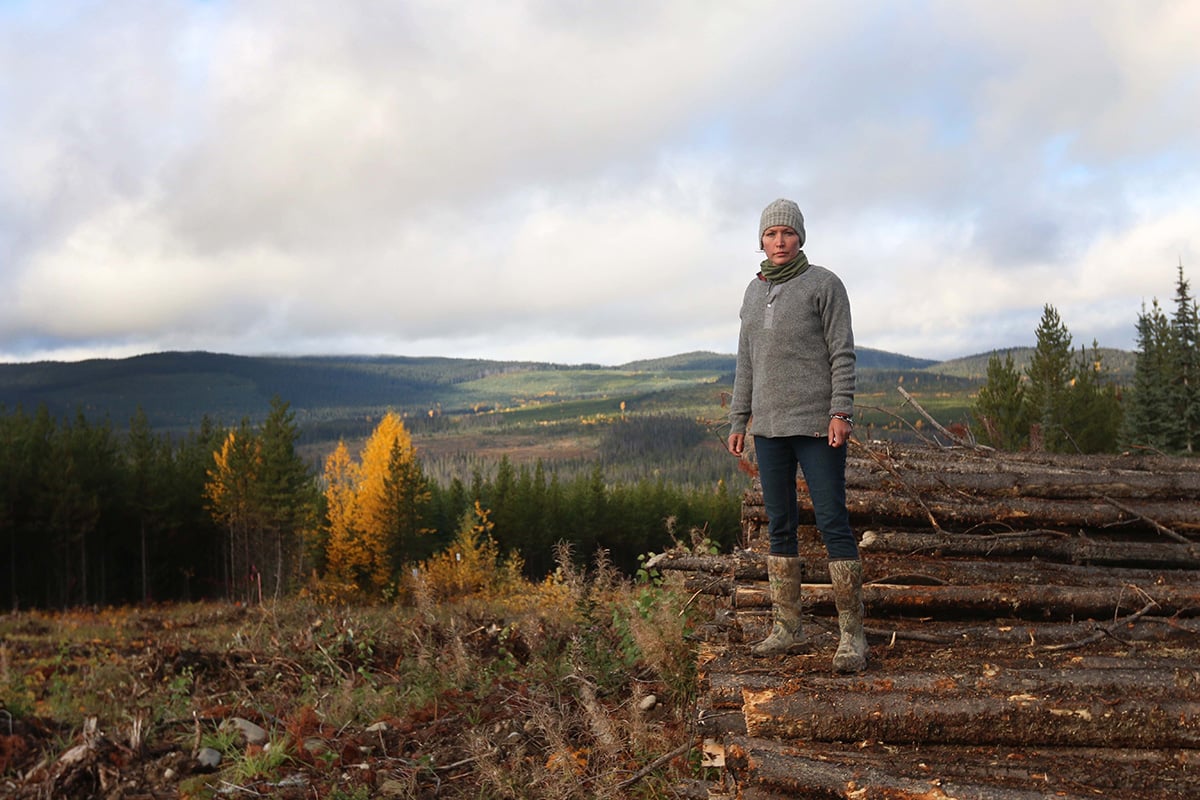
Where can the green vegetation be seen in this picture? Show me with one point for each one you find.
(1164, 407)
(1070, 401)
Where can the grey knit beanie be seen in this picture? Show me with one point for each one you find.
(781, 212)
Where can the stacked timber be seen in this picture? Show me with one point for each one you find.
(1034, 624)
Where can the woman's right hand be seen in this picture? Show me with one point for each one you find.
(737, 443)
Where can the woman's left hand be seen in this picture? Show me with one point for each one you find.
(839, 432)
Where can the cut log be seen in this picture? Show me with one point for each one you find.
(1172, 470)
(932, 487)
(881, 507)
(790, 773)
(1034, 603)
(889, 558)
(994, 706)
(932, 772)
(1042, 544)
(997, 600)
(1056, 485)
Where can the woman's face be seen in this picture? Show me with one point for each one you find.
(780, 243)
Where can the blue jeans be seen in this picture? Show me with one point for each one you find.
(824, 470)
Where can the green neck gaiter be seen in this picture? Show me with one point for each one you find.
(778, 273)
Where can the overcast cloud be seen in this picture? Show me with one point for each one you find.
(567, 181)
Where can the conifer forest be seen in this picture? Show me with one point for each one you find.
(343, 506)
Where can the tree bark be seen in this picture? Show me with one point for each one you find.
(992, 706)
(994, 600)
(889, 557)
(1042, 544)
(878, 772)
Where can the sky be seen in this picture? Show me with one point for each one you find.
(581, 182)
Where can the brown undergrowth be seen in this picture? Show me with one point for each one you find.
(569, 688)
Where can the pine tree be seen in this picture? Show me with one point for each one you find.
(285, 495)
(1185, 364)
(1164, 410)
(1049, 371)
(1149, 420)
(408, 495)
(149, 468)
(1091, 414)
(1000, 405)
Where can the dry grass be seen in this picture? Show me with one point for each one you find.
(532, 692)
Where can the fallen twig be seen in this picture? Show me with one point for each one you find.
(1103, 631)
(653, 765)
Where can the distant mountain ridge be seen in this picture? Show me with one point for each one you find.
(176, 389)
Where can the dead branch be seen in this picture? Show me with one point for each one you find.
(651, 767)
(1160, 528)
(912, 493)
(1103, 631)
(951, 436)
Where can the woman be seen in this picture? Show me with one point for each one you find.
(795, 387)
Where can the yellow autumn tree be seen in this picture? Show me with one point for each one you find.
(471, 564)
(392, 492)
(374, 509)
(347, 561)
(230, 494)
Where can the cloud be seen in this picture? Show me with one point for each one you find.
(579, 182)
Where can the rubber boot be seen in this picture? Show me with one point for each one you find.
(851, 655)
(783, 574)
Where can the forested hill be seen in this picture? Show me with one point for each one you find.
(177, 389)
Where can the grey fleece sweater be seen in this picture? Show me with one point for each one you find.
(795, 361)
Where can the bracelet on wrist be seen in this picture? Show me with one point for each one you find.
(846, 418)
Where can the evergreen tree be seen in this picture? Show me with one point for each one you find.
(1049, 371)
(408, 496)
(82, 488)
(1149, 418)
(148, 463)
(1164, 410)
(197, 550)
(285, 495)
(1000, 405)
(1091, 414)
(1185, 364)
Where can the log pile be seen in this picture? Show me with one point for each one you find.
(1034, 624)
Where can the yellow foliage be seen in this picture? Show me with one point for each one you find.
(376, 510)
(569, 759)
(471, 564)
(346, 556)
(371, 506)
(231, 480)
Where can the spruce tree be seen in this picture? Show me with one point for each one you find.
(1000, 405)
(1049, 371)
(286, 495)
(1149, 419)
(1185, 364)
(1091, 414)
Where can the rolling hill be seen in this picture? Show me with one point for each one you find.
(178, 389)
